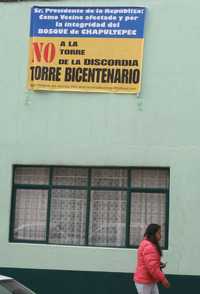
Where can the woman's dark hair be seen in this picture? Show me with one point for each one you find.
(150, 235)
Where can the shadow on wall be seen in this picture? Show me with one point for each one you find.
(78, 282)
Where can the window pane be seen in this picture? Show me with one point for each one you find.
(14, 287)
(4, 290)
(146, 208)
(107, 218)
(70, 176)
(150, 178)
(68, 217)
(30, 214)
(32, 175)
(109, 177)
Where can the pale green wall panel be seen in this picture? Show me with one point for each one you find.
(158, 128)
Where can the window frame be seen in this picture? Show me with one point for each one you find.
(89, 188)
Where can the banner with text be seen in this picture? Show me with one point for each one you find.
(92, 49)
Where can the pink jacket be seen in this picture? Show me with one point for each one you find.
(148, 264)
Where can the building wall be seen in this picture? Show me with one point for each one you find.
(51, 282)
(158, 128)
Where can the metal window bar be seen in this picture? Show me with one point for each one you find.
(130, 180)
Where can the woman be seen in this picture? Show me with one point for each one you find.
(149, 266)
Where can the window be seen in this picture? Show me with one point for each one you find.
(95, 206)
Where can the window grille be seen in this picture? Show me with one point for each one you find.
(88, 206)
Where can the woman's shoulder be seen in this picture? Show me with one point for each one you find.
(147, 245)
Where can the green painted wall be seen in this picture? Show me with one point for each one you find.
(51, 282)
(158, 128)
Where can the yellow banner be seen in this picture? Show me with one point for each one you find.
(109, 64)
